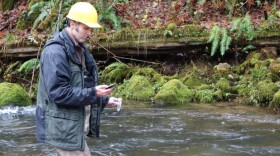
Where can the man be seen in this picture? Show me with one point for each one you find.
(69, 100)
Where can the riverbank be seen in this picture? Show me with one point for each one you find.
(180, 80)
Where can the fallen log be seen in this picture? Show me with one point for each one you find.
(143, 48)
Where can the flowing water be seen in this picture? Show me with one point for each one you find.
(142, 129)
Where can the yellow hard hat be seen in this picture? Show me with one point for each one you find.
(85, 13)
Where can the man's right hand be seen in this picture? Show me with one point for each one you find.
(102, 91)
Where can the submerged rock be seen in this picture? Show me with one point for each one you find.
(13, 94)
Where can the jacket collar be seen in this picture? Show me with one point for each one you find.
(71, 46)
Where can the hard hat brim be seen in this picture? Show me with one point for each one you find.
(92, 25)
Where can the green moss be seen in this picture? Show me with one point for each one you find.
(192, 81)
(149, 73)
(224, 85)
(205, 96)
(247, 90)
(218, 94)
(174, 92)
(240, 69)
(254, 57)
(171, 26)
(276, 100)
(265, 91)
(145, 37)
(204, 87)
(260, 72)
(122, 34)
(244, 90)
(191, 30)
(160, 83)
(267, 29)
(116, 72)
(13, 94)
(138, 88)
(132, 35)
(275, 66)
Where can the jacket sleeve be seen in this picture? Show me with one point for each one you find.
(105, 101)
(56, 73)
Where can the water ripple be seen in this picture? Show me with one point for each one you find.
(12, 110)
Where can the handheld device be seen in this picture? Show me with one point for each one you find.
(111, 85)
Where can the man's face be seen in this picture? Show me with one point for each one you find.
(80, 32)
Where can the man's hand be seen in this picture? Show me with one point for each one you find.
(102, 91)
(113, 102)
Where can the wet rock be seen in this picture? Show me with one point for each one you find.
(174, 92)
(13, 94)
(222, 67)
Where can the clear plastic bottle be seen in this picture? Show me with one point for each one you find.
(119, 104)
(119, 101)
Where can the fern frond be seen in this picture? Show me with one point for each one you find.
(212, 35)
(235, 24)
(113, 17)
(40, 18)
(27, 67)
(110, 15)
(35, 8)
(228, 42)
(225, 43)
(41, 10)
(244, 28)
(215, 39)
(247, 48)
(259, 3)
(248, 28)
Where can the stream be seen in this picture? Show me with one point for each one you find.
(143, 129)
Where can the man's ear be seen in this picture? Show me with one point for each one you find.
(76, 26)
(72, 24)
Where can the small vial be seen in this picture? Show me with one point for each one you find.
(120, 104)
(119, 101)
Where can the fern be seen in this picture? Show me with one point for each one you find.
(226, 40)
(10, 38)
(219, 36)
(259, 3)
(42, 9)
(247, 48)
(248, 27)
(215, 39)
(27, 67)
(244, 28)
(235, 24)
(110, 15)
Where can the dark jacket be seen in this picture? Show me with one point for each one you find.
(62, 95)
